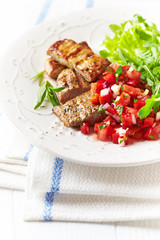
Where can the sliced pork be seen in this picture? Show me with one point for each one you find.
(74, 85)
(78, 110)
(78, 56)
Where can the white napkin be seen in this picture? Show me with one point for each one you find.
(60, 190)
(14, 153)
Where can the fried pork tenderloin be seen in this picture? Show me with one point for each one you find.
(78, 110)
(78, 56)
(53, 68)
(74, 85)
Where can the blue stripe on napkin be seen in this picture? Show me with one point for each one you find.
(55, 185)
(44, 11)
(90, 3)
(26, 156)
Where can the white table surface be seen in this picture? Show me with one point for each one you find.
(15, 18)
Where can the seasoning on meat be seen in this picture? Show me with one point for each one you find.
(74, 85)
(78, 56)
(53, 68)
(78, 110)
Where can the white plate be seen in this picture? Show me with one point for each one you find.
(25, 58)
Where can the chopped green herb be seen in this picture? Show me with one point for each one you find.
(121, 141)
(135, 100)
(46, 90)
(122, 88)
(121, 118)
(101, 127)
(138, 125)
(101, 109)
(120, 109)
(150, 136)
(39, 77)
(117, 73)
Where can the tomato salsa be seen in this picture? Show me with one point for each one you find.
(121, 94)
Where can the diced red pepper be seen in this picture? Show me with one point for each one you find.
(126, 120)
(134, 92)
(85, 129)
(139, 104)
(115, 137)
(94, 98)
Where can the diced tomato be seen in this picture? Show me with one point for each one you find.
(151, 134)
(126, 120)
(134, 78)
(134, 92)
(138, 135)
(114, 66)
(124, 99)
(100, 85)
(148, 122)
(139, 104)
(105, 132)
(93, 87)
(108, 118)
(110, 78)
(113, 123)
(94, 98)
(131, 131)
(96, 127)
(156, 129)
(85, 129)
(115, 137)
(111, 110)
(132, 111)
(140, 122)
(105, 98)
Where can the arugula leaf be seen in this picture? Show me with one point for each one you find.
(101, 127)
(152, 102)
(39, 76)
(46, 90)
(136, 43)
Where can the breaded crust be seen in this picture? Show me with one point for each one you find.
(78, 56)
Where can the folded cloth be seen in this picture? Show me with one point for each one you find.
(14, 154)
(61, 190)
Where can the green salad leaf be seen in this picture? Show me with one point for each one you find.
(136, 43)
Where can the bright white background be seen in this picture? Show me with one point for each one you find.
(16, 16)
